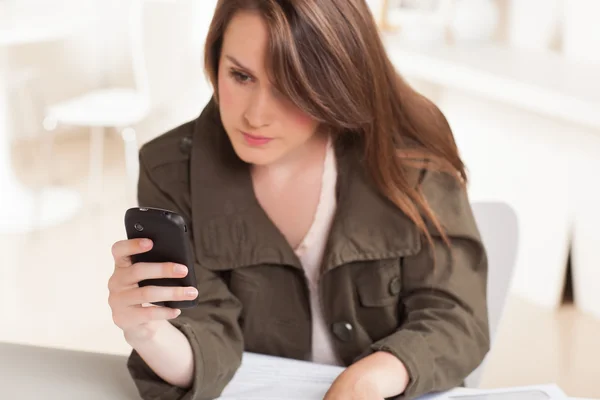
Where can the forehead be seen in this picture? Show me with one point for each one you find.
(246, 39)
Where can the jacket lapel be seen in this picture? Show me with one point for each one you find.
(367, 226)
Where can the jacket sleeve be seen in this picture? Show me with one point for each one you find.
(445, 333)
(212, 327)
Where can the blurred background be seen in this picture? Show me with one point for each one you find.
(84, 83)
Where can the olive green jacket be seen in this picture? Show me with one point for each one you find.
(379, 286)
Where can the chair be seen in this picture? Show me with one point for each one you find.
(117, 108)
(20, 84)
(497, 223)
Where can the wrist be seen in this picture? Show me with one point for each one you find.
(382, 372)
(367, 386)
(145, 333)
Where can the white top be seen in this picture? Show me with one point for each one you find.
(310, 252)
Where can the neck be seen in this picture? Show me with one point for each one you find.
(293, 164)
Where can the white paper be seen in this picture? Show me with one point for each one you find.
(263, 377)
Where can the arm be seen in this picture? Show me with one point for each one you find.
(168, 353)
(445, 334)
(196, 355)
(377, 376)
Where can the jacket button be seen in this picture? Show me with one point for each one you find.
(343, 331)
(395, 286)
(185, 145)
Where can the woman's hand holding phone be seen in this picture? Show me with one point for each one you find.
(130, 304)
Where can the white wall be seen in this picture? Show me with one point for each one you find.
(543, 166)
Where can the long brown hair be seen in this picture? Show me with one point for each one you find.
(327, 57)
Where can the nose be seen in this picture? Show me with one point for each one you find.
(258, 114)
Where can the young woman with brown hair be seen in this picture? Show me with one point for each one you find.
(328, 213)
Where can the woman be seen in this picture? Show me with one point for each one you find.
(328, 212)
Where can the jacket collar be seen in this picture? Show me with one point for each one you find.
(231, 229)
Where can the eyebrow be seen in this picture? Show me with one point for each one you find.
(239, 64)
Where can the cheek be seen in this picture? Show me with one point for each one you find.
(303, 120)
(225, 91)
(303, 123)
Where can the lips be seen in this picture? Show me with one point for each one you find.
(255, 140)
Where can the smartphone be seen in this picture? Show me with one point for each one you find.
(170, 235)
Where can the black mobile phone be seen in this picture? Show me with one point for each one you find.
(170, 235)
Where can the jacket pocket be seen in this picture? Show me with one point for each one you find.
(380, 285)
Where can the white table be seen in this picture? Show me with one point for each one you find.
(29, 373)
(20, 209)
(32, 373)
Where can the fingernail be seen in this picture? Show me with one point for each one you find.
(180, 269)
(191, 292)
(146, 243)
(177, 313)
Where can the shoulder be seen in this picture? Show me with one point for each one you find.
(167, 157)
(172, 147)
(448, 199)
(165, 162)
(164, 179)
(164, 171)
(175, 146)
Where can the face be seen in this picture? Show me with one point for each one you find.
(263, 126)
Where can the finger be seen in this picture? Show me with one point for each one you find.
(153, 294)
(115, 283)
(136, 315)
(141, 271)
(124, 249)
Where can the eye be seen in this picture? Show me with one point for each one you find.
(240, 77)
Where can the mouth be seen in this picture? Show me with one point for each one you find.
(256, 140)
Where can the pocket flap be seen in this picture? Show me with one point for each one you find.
(380, 285)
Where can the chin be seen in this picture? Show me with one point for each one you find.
(256, 156)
